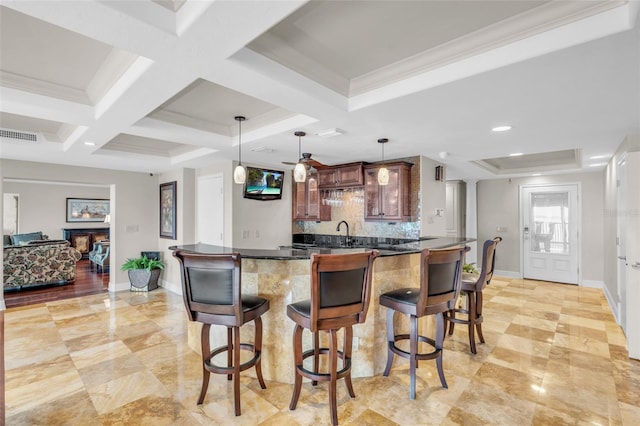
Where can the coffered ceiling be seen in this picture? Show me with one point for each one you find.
(154, 85)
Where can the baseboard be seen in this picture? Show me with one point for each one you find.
(507, 274)
(173, 288)
(592, 284)
(612, 304)
(120, 286)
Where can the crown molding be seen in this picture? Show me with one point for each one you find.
(41, 87)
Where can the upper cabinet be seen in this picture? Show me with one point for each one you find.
(344, 176)
(391, 202)
(306, 200)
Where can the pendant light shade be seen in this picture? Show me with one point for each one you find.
(383, 172)
(300, 171)
(240, 174)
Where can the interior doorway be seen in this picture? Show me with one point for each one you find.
(549, 218)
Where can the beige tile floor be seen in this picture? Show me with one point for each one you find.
(554, 355)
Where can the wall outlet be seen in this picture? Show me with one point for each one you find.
(501, 229)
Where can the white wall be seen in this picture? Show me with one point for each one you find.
(433, 196)
(261, 224)
(498, 205)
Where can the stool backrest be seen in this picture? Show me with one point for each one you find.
(211, 284)
(341, 285)
(488, 262)
(440, 275)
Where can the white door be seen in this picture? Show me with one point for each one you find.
(621, 236)
(633, 254)
(210, 210)
(550, 233)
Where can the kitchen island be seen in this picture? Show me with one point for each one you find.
(283, 277)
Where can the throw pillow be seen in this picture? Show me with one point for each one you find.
(21, 239)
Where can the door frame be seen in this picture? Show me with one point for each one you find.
(521, 203)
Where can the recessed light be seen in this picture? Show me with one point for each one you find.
(90, 143)
(598, 157)
(537, 174)
(516, 154)
(329, 133)
(597, 164)
(501, 128)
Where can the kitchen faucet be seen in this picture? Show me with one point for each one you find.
(348, 240)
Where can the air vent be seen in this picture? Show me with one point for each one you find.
(12, 134)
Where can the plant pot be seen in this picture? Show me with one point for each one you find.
(143, 280)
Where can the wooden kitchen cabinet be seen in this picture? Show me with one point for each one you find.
(343, 176)
(307, 203)
(392, 202)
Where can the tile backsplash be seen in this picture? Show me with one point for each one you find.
(348, 205)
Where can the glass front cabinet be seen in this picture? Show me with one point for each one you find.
(391, 202)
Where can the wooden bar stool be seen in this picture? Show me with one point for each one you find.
(472, 286)
(340, 293)
(211, 287)
(440, 272)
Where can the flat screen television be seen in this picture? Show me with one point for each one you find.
(263, 184)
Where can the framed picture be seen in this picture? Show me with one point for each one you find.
(87, 209)
(168, 210)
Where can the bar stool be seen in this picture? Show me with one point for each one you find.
(440, 272)
(340, 293)
(472, 286)
(211, 287)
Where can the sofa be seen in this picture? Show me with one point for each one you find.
(39, 262)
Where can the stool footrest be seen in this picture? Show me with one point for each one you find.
(324, 377)
(419, 356)
(229, 370)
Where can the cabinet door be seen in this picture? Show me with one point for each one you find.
(350, 175)
(313, 198)
(299, 201)
(371, 194)
(328, 178)
(391, 197)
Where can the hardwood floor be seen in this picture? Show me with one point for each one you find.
(87, 282)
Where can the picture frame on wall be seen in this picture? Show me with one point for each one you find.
(168, 210)
(87, 210)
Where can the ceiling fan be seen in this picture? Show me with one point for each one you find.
(308, 162)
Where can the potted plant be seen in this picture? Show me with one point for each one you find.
(143, 273)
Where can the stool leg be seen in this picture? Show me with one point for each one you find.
(479, 315)
(413, 350)
(206, 350)
(333, 369)
(451, 314)
(229, 351)
(391, 338)
(297, 361)
(257, 347)
(471, 298)
(347, 349)
(439, 340)
(316, 355)
(236, 369)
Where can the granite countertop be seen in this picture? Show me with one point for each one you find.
(289, 253)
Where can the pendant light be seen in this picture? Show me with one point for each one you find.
(239, 174)
(383, 172)
(300, 171)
